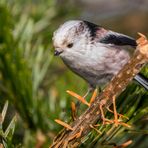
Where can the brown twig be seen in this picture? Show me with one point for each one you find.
(64, 124)
(73, 111)
(123, 145)
(78, 97)
(114, 88)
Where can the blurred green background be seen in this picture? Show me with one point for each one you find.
(35, 83)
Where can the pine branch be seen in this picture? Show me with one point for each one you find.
(82, 126)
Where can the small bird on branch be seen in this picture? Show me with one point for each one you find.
(94, 53)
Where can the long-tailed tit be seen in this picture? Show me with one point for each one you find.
(92, 52)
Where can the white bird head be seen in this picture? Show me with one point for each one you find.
(70, 37)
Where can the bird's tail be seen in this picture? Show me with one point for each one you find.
(142, 80)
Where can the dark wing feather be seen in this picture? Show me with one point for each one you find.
(118, 39)
(109, 37)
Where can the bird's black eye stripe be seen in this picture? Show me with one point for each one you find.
(70, 45)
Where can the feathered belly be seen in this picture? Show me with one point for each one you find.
(94, 74)
(96, 70)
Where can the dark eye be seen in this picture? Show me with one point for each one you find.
(70, 45)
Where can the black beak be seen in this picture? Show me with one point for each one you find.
(56, 53)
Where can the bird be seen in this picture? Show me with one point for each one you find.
(94, 53)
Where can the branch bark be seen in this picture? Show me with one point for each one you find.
(81, 126)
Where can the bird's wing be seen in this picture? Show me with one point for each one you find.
(119, 39)
(109, 37)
